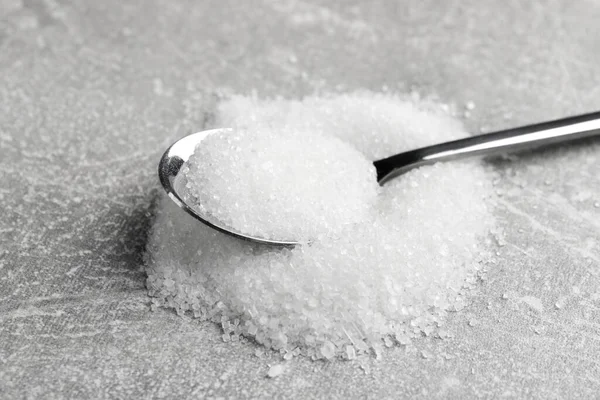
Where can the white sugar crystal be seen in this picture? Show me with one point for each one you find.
(350, 352)
(276, 370)
(384, 262)
(328, 350)
(561, 302)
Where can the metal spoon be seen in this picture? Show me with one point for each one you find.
(510, 140)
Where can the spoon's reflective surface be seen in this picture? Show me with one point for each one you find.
(527, 137)
(174, 184)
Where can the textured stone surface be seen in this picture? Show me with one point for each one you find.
(91, 92)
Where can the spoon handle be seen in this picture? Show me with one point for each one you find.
(509, 140)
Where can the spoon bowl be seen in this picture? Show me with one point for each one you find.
(174, 182)
(510, 140)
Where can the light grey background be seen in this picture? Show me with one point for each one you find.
(91, 92)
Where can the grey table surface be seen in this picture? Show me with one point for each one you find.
(91, 92)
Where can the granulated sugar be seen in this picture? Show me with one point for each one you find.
(385, 267)
(282, 184)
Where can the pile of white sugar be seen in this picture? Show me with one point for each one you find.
(384, 264)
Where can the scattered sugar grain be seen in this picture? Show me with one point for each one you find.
(276, 370)
(394, 267)
(365, 366)
(350, 352)
(328, 350)
(561, 302)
